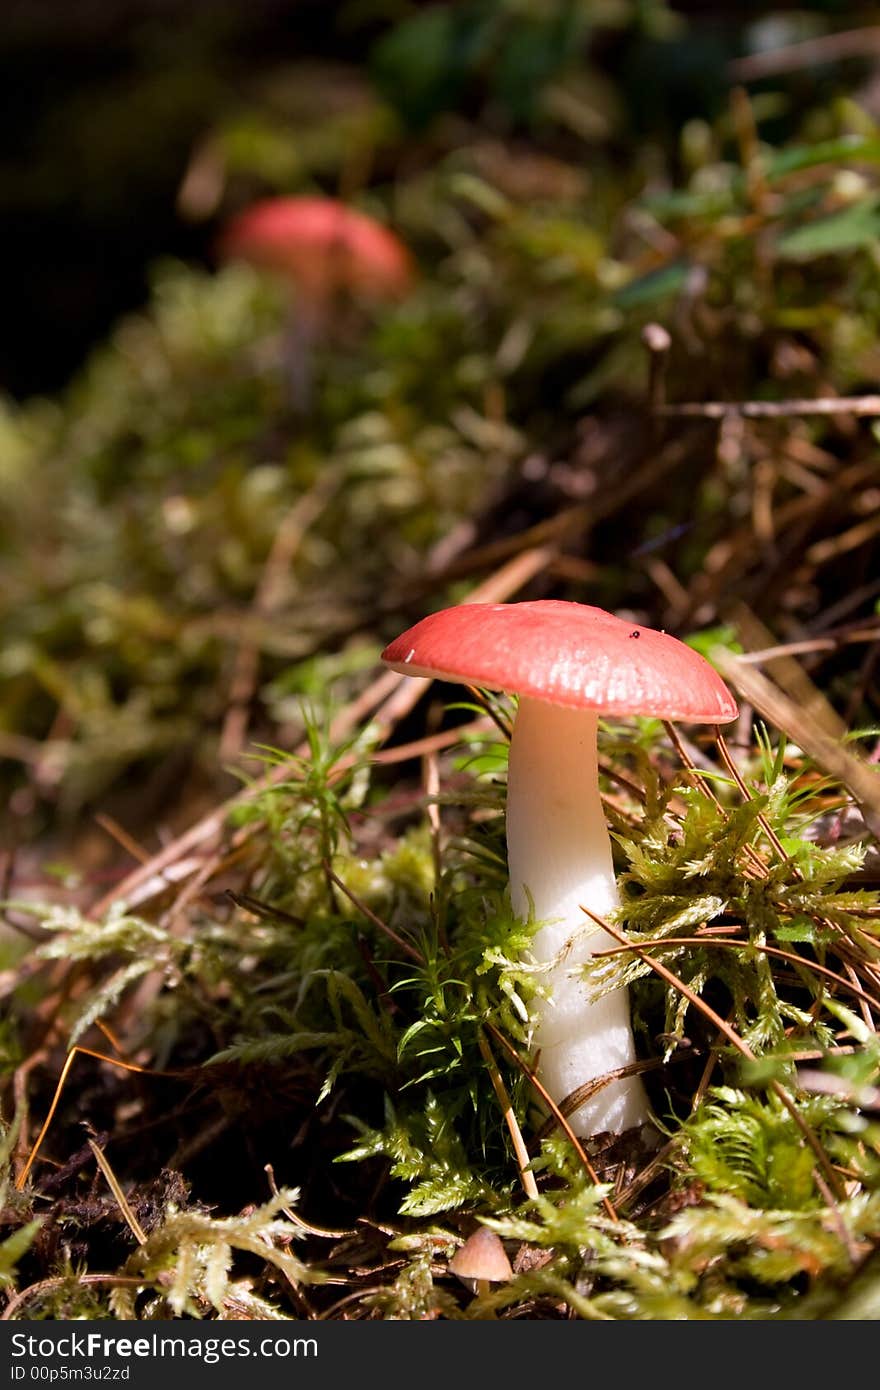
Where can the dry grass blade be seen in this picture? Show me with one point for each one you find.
(122, 837)
(806, 53)
(47, 1285)
(383, 927)
(696, 778)
(429, 745)
(579, 1149)
(674, 942)
(527, 1177)
(773, 410)
(297, 1220)
(810, 733)
(810, 645)
(134, 1225)
(68, 1063)
(747, 796)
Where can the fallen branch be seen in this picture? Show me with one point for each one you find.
(773, 410)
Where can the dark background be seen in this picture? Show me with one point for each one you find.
(103, 103)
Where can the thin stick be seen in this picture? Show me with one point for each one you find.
(422, 747)
(266, 911)
(576, 1098)
(831, 643)
(657, 341)
(747, 796)
(45, 1285)
(122, 837)
(110, 1036)
(23, 1175)
(806, 53)
(773, 410)
(703, 784)
(296, 1220)
(844, 1234)
(793, 959)
(68, 1063)
(551, 1105)
(527, 1177)
(371, 916)
(134, 1225)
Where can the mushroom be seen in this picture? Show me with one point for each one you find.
(569, 663)
(323, 250)
(481, 1261)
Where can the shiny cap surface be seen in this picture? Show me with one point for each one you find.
(568, 654)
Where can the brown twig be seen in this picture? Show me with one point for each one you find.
(526, 1176)
(75, 1051)
(657, 342)
(554, 1108)
(122, 837)
(806, 53)
(122, 1201)
(46, 1285)
(405, 946)
(664, 942)
(772, 410)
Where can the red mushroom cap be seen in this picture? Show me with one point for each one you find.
(568, 654)
(322, 245)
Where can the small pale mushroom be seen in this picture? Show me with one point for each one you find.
(569, 663)
(481, 1261)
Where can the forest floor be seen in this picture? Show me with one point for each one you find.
(267, 1049)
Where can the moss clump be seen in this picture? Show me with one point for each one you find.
(356, 1017)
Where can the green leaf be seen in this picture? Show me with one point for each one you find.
(534, 51)
(706, 641)
(421, 66)
(14, 1247)
(657, 284)
(839, 151)
(847, 230)
(800, 929)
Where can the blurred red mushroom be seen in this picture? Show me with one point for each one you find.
(322, 246)
(326, 252)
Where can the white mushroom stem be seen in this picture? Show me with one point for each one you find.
(559, 857)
